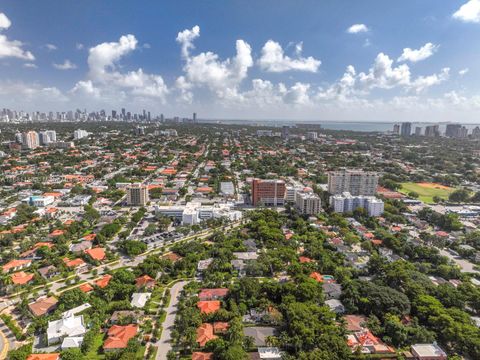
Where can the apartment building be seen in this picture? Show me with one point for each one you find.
(308, 203)
(356, 182)
(346, 202)
(137, 194)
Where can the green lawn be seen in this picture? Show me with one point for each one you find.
(425, 194)
(94, 354)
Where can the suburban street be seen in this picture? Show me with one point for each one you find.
(465, 265)
(164, 343)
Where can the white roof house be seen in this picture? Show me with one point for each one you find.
(72, 326)
(269, 353)
(140, 299)
(72, 342)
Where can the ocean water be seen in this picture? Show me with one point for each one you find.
(367, 126)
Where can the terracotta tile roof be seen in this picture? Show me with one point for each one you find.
(56, 232)
(202, 356)
(144, 280)
(53, 356)
(96, 253)
(304, 259)
(14, 264)
(103, 282)
(118, 336)
(208, 307)
(21, 277)
(316, 276)
(86, 287)
(43, 306)
(205, 334)
(73, 263)
(89, 237)
(212, 294)
(220, 327)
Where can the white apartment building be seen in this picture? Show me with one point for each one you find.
(194, 212)
(48, 137)
(311, 135)
(308, 203)
(356, 182)
(137, 194)
(166, 132)
(346, 202)
(30, 139)
(79, 134)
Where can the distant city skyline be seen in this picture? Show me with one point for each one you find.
(298, 60)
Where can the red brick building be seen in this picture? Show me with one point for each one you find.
(268, 192)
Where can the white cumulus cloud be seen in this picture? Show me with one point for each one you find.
(208, 70)
(11, 48)
(66, 65)
(273, 59)
(415, 55)
(468, 12)
(357, 28)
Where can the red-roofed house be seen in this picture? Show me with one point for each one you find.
(78, 264)
(316, 276)
(86, 287)
(15, 265)
(53, 356)
(220, 327)
(21, 277)
(304, 259)
(212, 294)
(144, 281)
(97, 254)
(104, 281)
(205, 334)
(208, 307)
(202, 356)
(118, 336)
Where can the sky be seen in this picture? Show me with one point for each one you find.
(349, 60)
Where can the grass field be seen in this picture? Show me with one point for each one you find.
(427, 191)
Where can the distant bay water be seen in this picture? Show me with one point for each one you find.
(367, 126)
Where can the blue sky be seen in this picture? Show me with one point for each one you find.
(289, 59)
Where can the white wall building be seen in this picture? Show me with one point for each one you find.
(79, 134)
(348, 203)
(194, 212)
(356, 182)
(307, 202)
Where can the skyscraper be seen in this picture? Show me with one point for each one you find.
(406, 129)
(194, 117)
(30, 140)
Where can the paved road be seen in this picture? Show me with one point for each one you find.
(465, 265)
(164, 343)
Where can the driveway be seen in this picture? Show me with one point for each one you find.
(164, 344)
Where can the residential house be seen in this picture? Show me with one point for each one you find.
(48, 272)
(208, 307)
(118, 336)
(43, 306)
(205, 334)
(71, 326)
(140, 299)
(145, 282)
(213, 294)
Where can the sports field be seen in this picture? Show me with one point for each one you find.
(427, 191)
